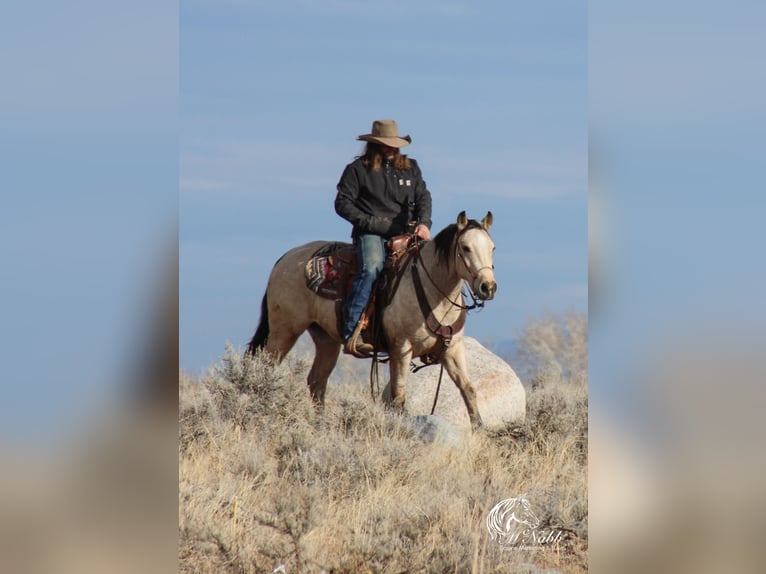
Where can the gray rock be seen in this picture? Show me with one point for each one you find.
(499, 392)
(435, 429)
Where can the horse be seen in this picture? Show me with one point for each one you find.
(462, 251)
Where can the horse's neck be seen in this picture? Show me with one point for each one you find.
(444, 276)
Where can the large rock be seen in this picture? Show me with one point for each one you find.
(435, 429)
(499, 392)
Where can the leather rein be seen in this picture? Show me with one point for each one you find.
(443, 332)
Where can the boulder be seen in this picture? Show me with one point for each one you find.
(435, 429)
(499, 392)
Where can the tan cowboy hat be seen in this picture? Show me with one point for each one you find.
(386, 132)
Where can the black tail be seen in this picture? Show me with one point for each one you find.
(262, 332)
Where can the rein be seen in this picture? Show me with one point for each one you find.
(443, 332)
(476, 303)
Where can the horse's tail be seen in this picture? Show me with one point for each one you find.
(262, 332)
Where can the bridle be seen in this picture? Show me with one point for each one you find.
(477, 303)
(444, 333)
(419, 260)
(411, 256)
(459, 255)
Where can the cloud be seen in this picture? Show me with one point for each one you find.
(386, 10)
(512, 173)
(701, 67)
(254, 167)
(203, 185)
(515, 189)
(560, 296)
(549, 261)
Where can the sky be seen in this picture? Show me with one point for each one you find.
(272, 96)
(88, 174)
(677, 148)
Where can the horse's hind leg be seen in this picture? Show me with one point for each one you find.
(325, 358)
(280, 342)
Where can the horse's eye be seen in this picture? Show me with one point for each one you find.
(465, 249)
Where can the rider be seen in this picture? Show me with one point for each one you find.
(382, 194)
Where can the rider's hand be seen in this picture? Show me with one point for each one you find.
(423, 232)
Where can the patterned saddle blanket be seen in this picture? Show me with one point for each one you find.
(330, 270)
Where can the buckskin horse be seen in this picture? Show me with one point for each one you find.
(425, 317)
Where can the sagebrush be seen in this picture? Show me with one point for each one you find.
(267, 480)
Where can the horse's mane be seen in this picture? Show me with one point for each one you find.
(443, 240)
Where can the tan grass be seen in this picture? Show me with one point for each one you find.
(268, 480)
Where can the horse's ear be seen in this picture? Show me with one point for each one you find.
(486, 223)
(462, 221)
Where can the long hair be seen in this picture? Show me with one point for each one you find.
(372, 158)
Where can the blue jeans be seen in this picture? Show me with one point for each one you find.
(371, 254)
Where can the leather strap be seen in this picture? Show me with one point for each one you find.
(444, 332)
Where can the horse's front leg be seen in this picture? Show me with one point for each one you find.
(398, 366)
(455, 365)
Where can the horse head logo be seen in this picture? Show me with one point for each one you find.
(510, 518)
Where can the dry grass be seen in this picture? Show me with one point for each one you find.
(268, 480)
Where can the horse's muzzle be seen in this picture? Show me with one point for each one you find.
(487, 290)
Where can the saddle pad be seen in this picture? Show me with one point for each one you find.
(330, 269)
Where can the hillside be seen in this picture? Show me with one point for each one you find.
(269, 483)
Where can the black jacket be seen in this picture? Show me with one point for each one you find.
(383, 202)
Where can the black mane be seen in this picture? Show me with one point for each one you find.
(446, 237)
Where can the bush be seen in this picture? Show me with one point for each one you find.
(266, 479)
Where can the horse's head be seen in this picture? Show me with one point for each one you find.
(473, 255)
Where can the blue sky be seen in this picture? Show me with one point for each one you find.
(272, 96)
(677, 176)
(88, 171)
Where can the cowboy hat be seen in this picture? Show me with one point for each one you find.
(386, 132)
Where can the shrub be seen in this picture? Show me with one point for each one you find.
(267, 479)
